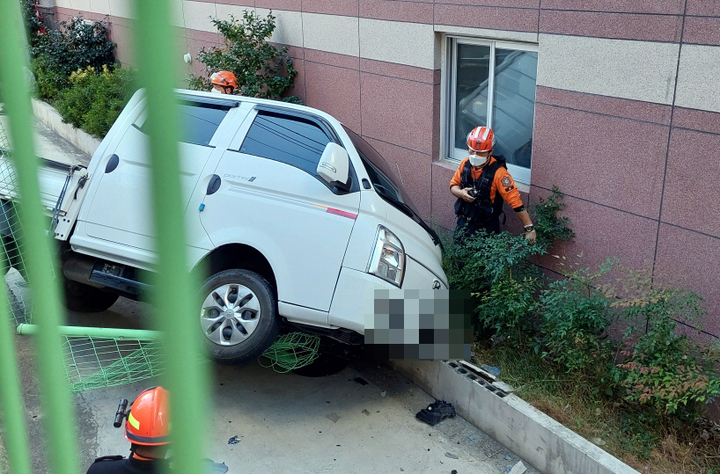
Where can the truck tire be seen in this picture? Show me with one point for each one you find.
(86, 298)
(238, 316)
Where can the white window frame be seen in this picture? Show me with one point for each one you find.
(449, 86)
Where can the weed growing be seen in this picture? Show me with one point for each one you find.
(642, 396)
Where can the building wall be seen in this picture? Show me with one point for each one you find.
(627, 117)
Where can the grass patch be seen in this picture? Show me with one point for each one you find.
(570, 400)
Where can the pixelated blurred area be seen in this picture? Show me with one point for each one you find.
(419, 324)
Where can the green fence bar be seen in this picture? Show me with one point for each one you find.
(110, 333)
(173, 298)
(11, 403)
(55, 396)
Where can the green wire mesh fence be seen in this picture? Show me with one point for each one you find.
(99, 362)
(12, 248)
(292, 351)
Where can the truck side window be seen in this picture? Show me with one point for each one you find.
(198, 122)
(291, 140)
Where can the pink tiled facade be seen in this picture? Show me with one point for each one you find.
(641, 178)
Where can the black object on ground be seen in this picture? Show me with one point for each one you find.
(436, 412)
(233, 441)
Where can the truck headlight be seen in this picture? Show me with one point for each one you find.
(388, 257)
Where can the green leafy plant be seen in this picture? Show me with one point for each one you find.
(262, 70)
(35, 27)
(672, 375)
(498, 271)
(576, 315)
(96, 98)
(78, 44)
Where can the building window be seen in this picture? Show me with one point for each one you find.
(492, 83)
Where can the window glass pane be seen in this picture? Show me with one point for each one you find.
(290, 140)
(198, 121)
(473, 63)
(514, 104)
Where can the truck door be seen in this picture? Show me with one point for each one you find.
(119, 208)
(268, 195)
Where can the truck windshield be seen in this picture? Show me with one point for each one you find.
(384, 181)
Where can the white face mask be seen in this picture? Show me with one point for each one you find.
(215, 91)
(476, 160)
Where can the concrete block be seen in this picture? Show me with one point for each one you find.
(541, 441)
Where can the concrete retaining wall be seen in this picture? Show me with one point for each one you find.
(489, 404)
(50, 117)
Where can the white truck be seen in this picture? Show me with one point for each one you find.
(291, 218)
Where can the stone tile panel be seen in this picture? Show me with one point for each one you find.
(442, 201)
(702, 30)
(608, 160)
(496, 18)
(288, 5)
(671, 7)
(600, 233)
(612, 25)
(332, 59)
(331, 7)
(689, 260)
(496, 3)
(692, 183)
(397, 111)
(632, 109)
(636, 70)
(393, 10)
(703, 7)
(697, 84)
(696, 120)
(334, 90)
(400, 71)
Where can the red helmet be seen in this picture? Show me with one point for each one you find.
(224, 78)
(481, 139)
(149, 418)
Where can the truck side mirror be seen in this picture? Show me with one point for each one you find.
(334, 166)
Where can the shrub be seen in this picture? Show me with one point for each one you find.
(76, 45)
(575, 318)
(262, 70)
(672, 375)
(498, 272)
(95, 100)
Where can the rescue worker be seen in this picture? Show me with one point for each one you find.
(223, 82)
(146, 427)
(481, 184)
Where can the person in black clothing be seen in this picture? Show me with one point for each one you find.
(481, 184)
(146, 427)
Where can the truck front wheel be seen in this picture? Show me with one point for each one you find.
(238, 316)
(86, 298)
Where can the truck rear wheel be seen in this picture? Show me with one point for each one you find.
(238, 316)
(86, 298)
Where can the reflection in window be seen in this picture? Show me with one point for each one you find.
(493, 85)
(514, 104)
(198, 122)
(292, 140)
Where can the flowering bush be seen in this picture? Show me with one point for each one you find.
(96, 97)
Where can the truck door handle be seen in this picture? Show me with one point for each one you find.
(112, 163)
(214, 184)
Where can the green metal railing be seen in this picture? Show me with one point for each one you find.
(185, 378)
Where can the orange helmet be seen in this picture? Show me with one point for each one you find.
(224, 78)
(481, 139)
(149, 418)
